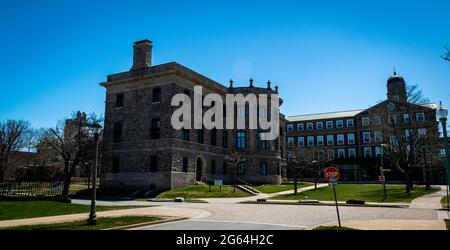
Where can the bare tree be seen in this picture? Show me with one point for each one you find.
(72, 141)
(236, 158)
(403, 145)
(12, 139)
(415, 94)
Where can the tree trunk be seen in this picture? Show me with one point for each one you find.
(67, 177)
(295, 182)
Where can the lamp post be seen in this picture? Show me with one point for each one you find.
(316, 178)
(441, 115)
(96, 130)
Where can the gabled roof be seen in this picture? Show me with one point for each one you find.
(321, 116)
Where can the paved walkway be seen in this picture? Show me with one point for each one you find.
(395, 224)
(150, 211)
(430, 201)
(260, 196)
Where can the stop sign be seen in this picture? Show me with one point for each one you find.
(331, 174)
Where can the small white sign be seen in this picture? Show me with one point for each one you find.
(217, 182)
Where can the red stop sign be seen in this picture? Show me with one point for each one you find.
(331, 174)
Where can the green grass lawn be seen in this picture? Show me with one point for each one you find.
(333, 228)
(268, 189)
(444, 202)
(367, 192)
(102, 223)
(10, 210)
(202, 191)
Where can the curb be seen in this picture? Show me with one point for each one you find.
(147, 223)
(324, 204)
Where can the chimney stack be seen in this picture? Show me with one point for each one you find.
(142, 56)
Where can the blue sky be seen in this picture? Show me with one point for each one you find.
(323, 55)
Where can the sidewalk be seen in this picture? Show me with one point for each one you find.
(260, 196)
(430, 201)
(149, 211)
(384, 224)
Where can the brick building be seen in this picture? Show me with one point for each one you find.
(353, 140)
(143, 151)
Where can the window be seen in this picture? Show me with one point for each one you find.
(262, 144)
(339, 124)
(422, 132)
(319, 125)
(156, 128)
(153, 163)
(420, 117)
(241, 168)
(340, 139)
(213, 167)
(329, 124)
(224, 167)
(394, 140)
(378, 151)
(330, 139)
(263, 168)
(351, 153)
(321, 155)
(407, 134)
(156, 97)
(116, 165)
(290, 127)
(213, 136)
(331, 154)
(351, 139)
(310, 140)
(240, 140)
(349, 123)
(320, 140)
(378, 136)
(119, 100)
(366, 137)
(225, 139)
(367, 152)
(185, 164)
(301, 141)
(392, 119)
(290, 141)
(406, 118)
(186, 136)
(341, 153)
(365, 121)
(300, 127)
(117, 132)
(200, 135)
(309, 126)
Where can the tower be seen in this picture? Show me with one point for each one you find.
(396, 88)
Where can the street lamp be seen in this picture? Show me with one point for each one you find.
(96, 130)
(441, 115)
(382, 169)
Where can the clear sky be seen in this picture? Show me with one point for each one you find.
(324, 55)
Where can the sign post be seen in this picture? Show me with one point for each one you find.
(332, 175)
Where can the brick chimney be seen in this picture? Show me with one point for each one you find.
(142, 56)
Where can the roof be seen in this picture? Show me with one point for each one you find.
(430, 105)
(320, 116)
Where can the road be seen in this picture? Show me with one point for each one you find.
(270, 216)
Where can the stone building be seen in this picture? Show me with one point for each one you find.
(353, 140)
(143, 151)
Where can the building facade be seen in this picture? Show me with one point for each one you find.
(354, 140)
(143, 151)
